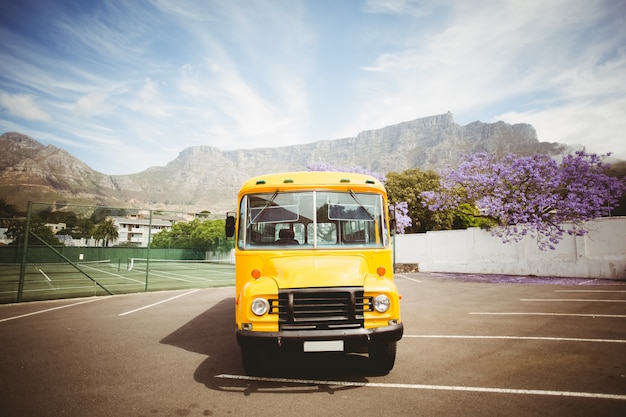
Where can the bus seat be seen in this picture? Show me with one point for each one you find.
(286, 237)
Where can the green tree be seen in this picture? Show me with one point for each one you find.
(618, 170)
(7, 210)
(209, 235)
(84, 227)
(16, 231)
(408, 186)
(58, 216)
(178, 237)
(205, 235)
(106, 231)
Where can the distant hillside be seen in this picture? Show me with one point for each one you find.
(31, 171)
(207, 178)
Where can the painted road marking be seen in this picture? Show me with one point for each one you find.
(50, 309)
(596, 395)
(618, 316)
(558, 339)
(609, 291)
(576, 300)
(409, 278)
(157, 303)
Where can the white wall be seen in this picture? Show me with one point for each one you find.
(601, 253)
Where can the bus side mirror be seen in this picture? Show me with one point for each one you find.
(230, 226)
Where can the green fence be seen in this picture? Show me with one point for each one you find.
(44, 254)
(40, 265)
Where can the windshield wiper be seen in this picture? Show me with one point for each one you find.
(270, 201)
(355, 198)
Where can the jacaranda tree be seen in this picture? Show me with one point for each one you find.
(401, 210)
(531, 195)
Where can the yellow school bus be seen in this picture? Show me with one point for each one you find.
(314, 269)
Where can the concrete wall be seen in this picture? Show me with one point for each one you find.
(599, 254)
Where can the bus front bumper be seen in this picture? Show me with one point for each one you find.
(348, 341)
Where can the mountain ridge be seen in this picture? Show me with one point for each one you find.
(207, 178)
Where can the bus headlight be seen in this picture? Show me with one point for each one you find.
(381, 303)
(259, 306)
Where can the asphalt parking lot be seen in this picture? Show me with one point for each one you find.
(474, 347)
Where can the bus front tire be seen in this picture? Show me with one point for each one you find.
(252, 361)
(382, 357)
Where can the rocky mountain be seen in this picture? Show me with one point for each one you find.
(31, 171)
(207, 178)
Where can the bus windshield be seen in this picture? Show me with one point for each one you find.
(313, 219)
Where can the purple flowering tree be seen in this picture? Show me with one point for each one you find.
(531, 195)
(401, 209)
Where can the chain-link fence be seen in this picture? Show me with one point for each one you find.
(60, 251)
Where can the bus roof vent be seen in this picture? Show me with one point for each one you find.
(259, 182)
(369, 182)
(344, 180)
(287, 181)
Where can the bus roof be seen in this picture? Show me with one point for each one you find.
(310, 180)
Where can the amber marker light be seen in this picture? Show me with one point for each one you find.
(381, 271)
(256, 274)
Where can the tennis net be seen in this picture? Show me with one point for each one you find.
(142, 264)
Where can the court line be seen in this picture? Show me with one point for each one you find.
(50, 309)
(618, 316)
(596, 395)
(168, 275)
(116, 275)
(157, 303)
(576, 300)
(97, 270)
(43, 273)
(557, 339)
(49, 281)
(179, 277)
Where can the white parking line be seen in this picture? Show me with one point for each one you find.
(50, 309)
(427, 387)
(409, 278)
(157, 303)
(557, 339)
(618, 316)
(609, 291)
(575, 300)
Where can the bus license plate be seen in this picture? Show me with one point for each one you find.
(323, 346)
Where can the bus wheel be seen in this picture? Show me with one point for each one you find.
(382, 357)
(252, 361)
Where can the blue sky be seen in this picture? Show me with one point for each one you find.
(125, 85)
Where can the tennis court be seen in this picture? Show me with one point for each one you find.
(45, 281)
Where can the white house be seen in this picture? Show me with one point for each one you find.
(136, 231)
(56, 227)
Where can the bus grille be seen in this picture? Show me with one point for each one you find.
(321, 308)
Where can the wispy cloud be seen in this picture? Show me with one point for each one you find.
(23, 106)
(544, 59)
(137, 82)
(397, 7)
(91, 103)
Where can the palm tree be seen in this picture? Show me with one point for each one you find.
(106, 231)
